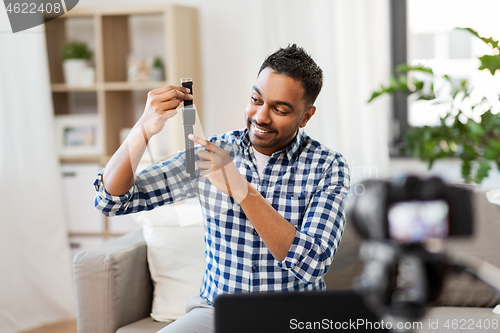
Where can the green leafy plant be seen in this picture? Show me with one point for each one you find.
(473, 139)
(157, 62)
(75, 49)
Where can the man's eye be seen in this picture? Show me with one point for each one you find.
(255, 100)
(279, 111)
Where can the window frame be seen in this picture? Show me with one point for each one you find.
(399, 55)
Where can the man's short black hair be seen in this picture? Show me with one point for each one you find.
(293, 61)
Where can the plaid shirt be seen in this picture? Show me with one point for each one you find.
(306, 183)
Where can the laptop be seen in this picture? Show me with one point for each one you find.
(342, 310)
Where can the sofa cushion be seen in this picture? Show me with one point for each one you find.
(146, 325)
(174, 237)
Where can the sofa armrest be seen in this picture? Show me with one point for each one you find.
(113, 284)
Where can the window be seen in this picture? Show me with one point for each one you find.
(423, 33)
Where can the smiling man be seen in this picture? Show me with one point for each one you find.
(273, 198)
(276, 110)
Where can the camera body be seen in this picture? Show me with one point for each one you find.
(397, 218)
(411, 210)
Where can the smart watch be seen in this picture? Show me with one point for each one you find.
(188, 120)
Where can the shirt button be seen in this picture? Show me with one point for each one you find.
(254, 267)
(255, 233)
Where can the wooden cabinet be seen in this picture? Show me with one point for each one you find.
(114, 34)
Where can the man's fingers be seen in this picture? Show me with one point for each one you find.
(174, 94)
(204, 155)
(170, 93)
(165, 89)
(169, 105)
(206, 144)
(205, 165)
(199, 140)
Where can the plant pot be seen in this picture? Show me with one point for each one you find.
(157, 74)
(72, 71)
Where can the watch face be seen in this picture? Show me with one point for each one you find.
(188, 83)
(188, 116)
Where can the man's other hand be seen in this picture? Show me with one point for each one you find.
(160, 106)
(217, 166)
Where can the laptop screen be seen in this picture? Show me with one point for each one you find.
(292, 311)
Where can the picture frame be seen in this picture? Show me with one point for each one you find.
(79, 135)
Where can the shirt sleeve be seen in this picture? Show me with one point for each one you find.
(317, 239)
(163, 183)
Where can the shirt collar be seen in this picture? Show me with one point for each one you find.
(291, 152)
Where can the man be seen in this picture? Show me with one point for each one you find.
(273, 199)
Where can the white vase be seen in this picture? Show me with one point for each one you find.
(157, 74)
(72, 71)
(87, 76)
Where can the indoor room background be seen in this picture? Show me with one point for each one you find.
(43, 205)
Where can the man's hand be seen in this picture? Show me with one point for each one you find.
(217, 166)
(119, 175)
(160, 106)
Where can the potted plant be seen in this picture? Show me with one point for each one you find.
(75, 55)
(157, 72)
(476, 142)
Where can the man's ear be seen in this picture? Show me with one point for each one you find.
(307, 115)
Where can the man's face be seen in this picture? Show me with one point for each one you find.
(275, 111)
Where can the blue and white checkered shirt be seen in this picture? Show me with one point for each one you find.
(306, 183)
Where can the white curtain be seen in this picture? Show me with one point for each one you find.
(350, 40)
(35, 266)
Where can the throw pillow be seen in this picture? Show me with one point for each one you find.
(174, 237)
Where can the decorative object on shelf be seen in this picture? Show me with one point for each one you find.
(78, 135)
(76, 56)
(476, 143)
(158, 70)
(138, 69)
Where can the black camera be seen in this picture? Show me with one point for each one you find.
(403, 271)
(411, 210)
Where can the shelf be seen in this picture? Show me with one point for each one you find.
(117, 35)
(110, 86)
(62, 87)
(73, 160)
(117, 10)
(126, 86)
